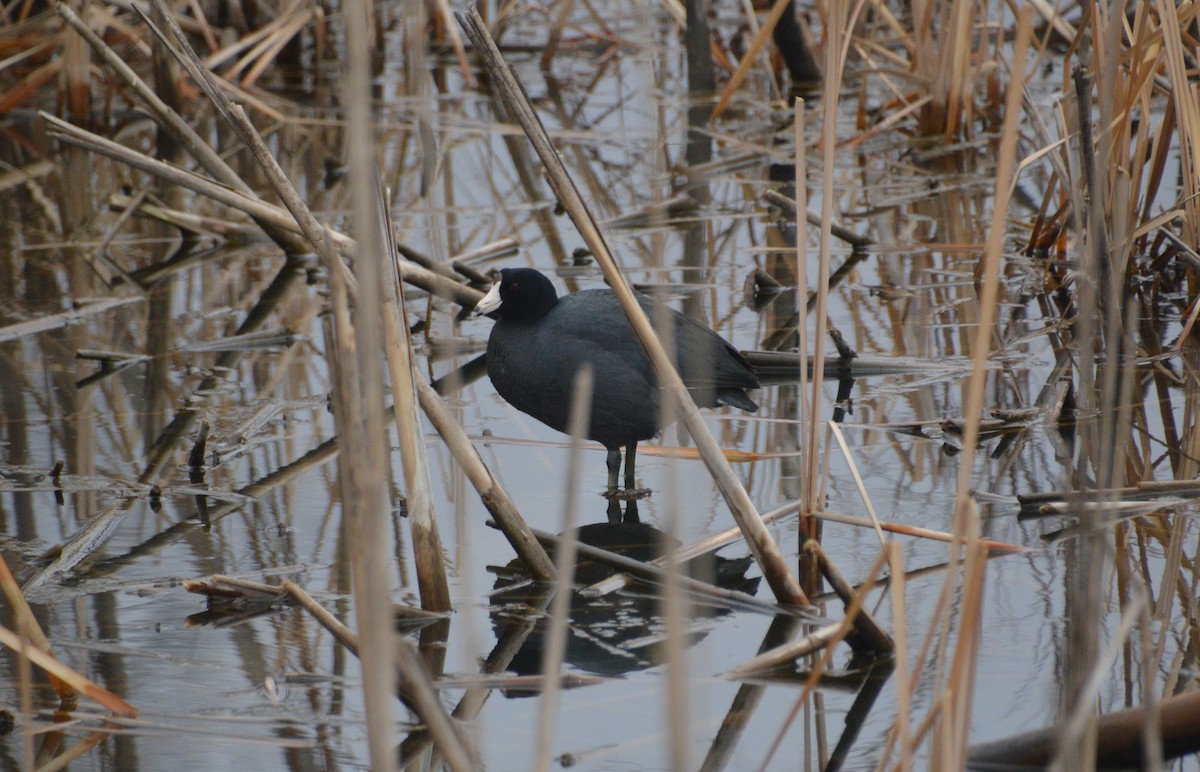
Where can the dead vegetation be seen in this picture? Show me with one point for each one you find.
(301, 217)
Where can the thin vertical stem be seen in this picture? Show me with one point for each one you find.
(560, 610)
(363, 458)
(833, 81)
(804, 414)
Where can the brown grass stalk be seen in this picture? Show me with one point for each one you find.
(554, 35)
(875, 637)
(836, 431)
(49, 663)
(265, 57)
(912, 530)
(427, 544)
(41, 324)
(27, 623)
(804, 408)
(185, 221)
(824, 637)
(906, 682)
(1187, 112)
(197, 147)
(358, 413)
(990, 274)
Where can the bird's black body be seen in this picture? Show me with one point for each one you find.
(540, 341)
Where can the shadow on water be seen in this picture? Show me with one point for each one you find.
(614, 634)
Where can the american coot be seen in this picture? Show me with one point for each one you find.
(540, 341)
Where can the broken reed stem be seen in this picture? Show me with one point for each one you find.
(55, 321)
(27, 624)
(358, 502)
(874, 636)
(25, 690)
(23, 645)
(905, 681)
(493, 495)
(781, 655)
(770, 560)
(173, 122)
(1187, 111)
(674, 606)
(220, 585)
(252, 206)
(342, 634)
(427, 544)
(1121, 737)
(560, 611)
(81, 545)
(841, 232)
(826, 637)
(830, 646)
(961, 684)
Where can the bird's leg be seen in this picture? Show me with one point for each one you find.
(630, 454)
(614, 468)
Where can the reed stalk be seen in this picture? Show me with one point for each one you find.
(804, 407)
(359, 392)
(427, 543)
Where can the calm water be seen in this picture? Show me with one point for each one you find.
(203, 686)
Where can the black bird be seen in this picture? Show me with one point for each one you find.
(540, 341)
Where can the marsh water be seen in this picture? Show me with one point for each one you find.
(267, 688)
